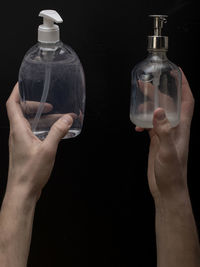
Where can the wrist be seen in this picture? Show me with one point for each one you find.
(24, 184)
(23, 194)
(179, 202)
(171, 192)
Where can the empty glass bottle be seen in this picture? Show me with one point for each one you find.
(156, 82)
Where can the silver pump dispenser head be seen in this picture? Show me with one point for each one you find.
(157, 41)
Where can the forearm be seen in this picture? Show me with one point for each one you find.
(176, 233)
(16, 219)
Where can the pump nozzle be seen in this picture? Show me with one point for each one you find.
(158, 23)
(48, 32)
(157, 41)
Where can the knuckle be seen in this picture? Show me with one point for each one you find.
(58, 127)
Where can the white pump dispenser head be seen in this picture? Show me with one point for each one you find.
(48, 32)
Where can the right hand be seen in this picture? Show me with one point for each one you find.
(168, 153)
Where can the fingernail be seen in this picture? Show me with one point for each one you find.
(160, 115)
(67, 119)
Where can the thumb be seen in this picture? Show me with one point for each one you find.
(58, 130)
(163, 130)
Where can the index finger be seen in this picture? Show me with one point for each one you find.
(31, 107)
(187, 101)
(147, 89)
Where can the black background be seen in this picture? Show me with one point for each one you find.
(97, 209)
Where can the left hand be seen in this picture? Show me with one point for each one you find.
(30, 159)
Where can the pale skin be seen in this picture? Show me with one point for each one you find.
(31, 162)
(148, 90)
(176, 233)
(29, 109)
(30, 165)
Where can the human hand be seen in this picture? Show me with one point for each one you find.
(30, 159)
(30, 109)
(148, 91)
(151, 95)
(168, 153)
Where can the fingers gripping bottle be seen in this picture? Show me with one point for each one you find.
(51, 80)
(156, 82)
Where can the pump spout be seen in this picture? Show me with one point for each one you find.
(157, 41)
(48, 32)
(158, 23)
(51, 15)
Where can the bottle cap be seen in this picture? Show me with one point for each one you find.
(48, 32)
(157, 41)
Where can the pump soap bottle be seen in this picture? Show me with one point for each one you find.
(156, 82)
(51, 80)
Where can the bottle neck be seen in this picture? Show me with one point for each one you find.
(49, 46)
(158, 55)
(48, 50)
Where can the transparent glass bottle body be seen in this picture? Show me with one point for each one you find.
(51, 84)
(156, 82)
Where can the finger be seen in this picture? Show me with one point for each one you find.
(47, 120)
(31, 107)
(150, 131)
(139, 129)
(187, 105)
(147, 89)
(73, 115)
(58, 130)
(175, 74)
(146, 107)
(186, 91)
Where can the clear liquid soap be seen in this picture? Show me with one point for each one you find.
(51, 81)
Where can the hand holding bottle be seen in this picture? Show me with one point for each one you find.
(168, 154)
(156, 82)
(31, 160)
(30, 108)
(148, 91)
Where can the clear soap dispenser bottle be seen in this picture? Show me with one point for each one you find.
(156, 82)
(51, 80)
